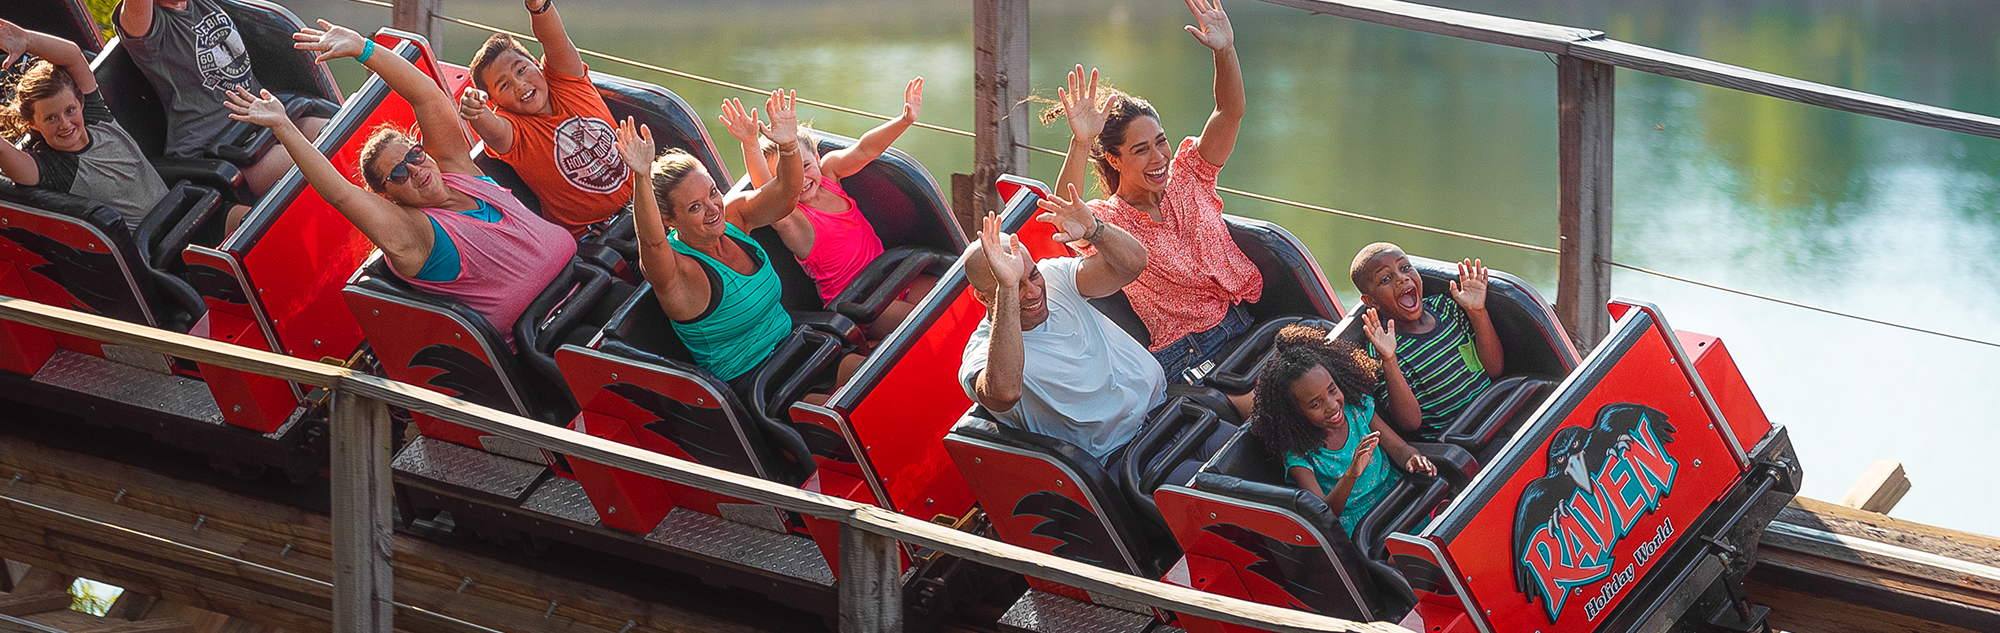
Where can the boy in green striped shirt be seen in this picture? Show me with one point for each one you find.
(1438, 352)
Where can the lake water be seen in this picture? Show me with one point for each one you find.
(1856, 214)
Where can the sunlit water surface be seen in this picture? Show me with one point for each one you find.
(1884, 219)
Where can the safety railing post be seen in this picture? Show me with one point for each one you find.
(1584, 124)
(363, 572)
(871, 582)
(1000, 97)
(420, 17)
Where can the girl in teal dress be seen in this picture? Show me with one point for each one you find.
(1314, 410)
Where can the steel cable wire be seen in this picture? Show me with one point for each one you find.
(1229, 190)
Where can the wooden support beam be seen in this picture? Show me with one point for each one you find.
(420, 17)
(1879, 488)
(32, 603)
(1000, 104)
(1584, 125)
(363, 571)
(871, 582)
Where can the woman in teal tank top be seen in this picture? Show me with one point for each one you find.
(714, 281)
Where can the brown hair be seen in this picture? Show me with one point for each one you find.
(39, 82)
(490, 52)
(1368, 254)
(1120, 109)
(671, 169)
(371, 150)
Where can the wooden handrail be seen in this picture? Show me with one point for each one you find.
(867, 518)
(1592, 45)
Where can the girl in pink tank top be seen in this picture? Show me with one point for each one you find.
(502, 265)
(828, 234)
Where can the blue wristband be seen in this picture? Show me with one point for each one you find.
(366, 51)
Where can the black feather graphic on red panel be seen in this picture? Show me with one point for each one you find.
(824, 442)
(1304, 571)
(215, 283)
(463, 375)
(1081, 533)
(93, 280)
(703, 433)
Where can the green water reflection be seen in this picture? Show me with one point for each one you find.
(1882, 218)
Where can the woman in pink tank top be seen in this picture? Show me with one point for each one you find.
(503, 264)
(828, 234)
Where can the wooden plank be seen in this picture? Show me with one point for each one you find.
(420, 17)
(1478, 27)
(1000, 102)
(1879, 488)
(364, 582)
(1714, 73)
(1585, 121)
(33, 603)
(871, 582)
(1100, 581)
(170, 343)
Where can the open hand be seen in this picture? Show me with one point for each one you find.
(14, 41)
(1470, 288)
(1071, 217)
(1364, 453)
(784, 127)
(332, 41)
(635, 146)
(260, 109)
(913, 99)
(1381, 334)
(1417, 463)
(1080, 107)
(1004, 252)
(1213, 28)
(472, 104)
(741, 124)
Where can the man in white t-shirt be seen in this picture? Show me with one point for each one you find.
(1089, 384)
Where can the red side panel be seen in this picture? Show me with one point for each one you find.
(624, 500)
(23, 348)
(1725, 383)
(655, 406)
(423, 347)
(901, 423)
(1248, 538)
(1650, 461)
(1212, 575)
(826, 533)
(1033, 504)
(258, 403)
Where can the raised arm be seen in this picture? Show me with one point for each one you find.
(1119, 257)
(743, 125)
(1218, 137)
(1086, 121)
(382, 221)
(1470, 293)
(668, 271)
(136, 17)
(846, 162)
(437, 114)
(17, 41)
(1400, 402)
(998, 387)
(497, 131)
(558, 53)
(18, 166)
(775, 200)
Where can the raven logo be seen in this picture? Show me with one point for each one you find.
(1082, 535)
(704, 434)
(1299, 570)
(464, 374)
(1600, 480)
(92, 280)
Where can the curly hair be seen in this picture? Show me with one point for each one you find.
(40, 81)
(1276, 418)
(1121, 109)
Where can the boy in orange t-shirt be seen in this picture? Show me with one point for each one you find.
(550, 124)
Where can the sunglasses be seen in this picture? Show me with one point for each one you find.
(401, 172)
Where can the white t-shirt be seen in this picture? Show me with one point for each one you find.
(1085, 381)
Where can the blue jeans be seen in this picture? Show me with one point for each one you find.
(1193, 350)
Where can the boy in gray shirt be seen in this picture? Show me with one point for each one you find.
(72, 144)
